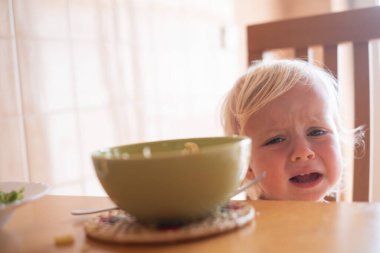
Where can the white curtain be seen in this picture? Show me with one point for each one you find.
(78, 75)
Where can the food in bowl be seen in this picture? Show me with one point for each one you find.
(169, 185)
(190, 147)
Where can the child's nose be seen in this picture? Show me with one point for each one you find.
(302, 152)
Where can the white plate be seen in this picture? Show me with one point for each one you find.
(32, 191)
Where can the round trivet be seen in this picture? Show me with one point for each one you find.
(118, 226)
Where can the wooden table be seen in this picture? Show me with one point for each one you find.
(278, 227)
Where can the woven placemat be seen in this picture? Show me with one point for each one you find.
(118, 226)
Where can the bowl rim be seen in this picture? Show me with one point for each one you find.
(99, 153)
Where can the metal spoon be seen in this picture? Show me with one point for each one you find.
(99, 210)
(249, 184)
(92, 210)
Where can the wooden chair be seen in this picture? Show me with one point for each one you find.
(358, 26)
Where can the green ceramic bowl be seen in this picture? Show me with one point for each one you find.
(165, 182)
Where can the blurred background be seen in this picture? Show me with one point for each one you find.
(78, 75)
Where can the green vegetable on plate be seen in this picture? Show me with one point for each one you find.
(9, 197)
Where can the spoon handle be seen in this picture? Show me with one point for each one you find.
(250, 184)
(91, 210)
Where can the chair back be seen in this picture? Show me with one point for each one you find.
(327, 31)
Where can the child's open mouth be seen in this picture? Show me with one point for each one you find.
(307, 180)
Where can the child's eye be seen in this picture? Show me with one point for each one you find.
(317, 132)
(274, 141)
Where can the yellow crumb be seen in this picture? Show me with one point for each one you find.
(190, 148)
(64, 240)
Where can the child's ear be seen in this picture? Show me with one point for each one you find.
(253, 192)
(250, 175)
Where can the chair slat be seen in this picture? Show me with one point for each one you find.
(330, 58)
(362, 117)
(302, 52)
(331, 28)
(252, 56)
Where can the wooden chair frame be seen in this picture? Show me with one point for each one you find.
(358, 26)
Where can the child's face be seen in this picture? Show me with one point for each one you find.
(294, 139)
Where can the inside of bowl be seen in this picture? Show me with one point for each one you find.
(166, 147)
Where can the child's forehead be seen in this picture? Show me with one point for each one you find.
(302, 102)
(301, 94)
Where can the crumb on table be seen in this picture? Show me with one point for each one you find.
(64, 240)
